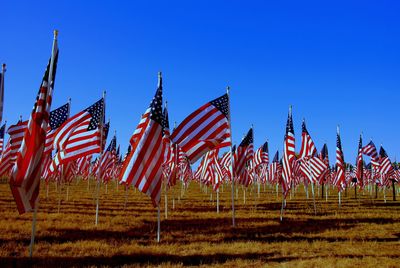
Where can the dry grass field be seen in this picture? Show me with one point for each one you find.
(362, 233)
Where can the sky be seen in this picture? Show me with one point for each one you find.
(336, 62)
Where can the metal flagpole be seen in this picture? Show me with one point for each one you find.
(33, 229)
(166, 182)
(158, 223)
(3, 71)
(100, 156)
(231, 166)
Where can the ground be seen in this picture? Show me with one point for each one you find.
(363, 232)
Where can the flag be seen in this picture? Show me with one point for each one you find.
(25, 177)
(289, 155)
(360, 164)
(386, 169)
(308, 148)
(244, 157)
(2, 132)
(80, 135)
(324, 178)
(340, 178)
(9, 156)
(143, 166)
(275, 169)
(108, 160)
(261, 156)
(57, 118)
(204, 129)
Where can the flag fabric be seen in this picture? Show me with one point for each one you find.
(143, 166)
(324, 178)
(204, 129)
(289, 155)
(2, 132)
(244, 158)
(386, 169)
(80, 135)
(9, 156)
(83, 166)
(108, 160)
(340, 176)
(308, 148)
(57, 118)
(261, 162)
(275, 169)
(360, 164)
(25, 177)
(370, 150)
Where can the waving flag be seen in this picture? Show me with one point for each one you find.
(80, 135)
(340, 176)
(289, 155)
(244, 158)
(204, 129)
(2, 132)
(360, 164)
(57, 118)
(143, 167)
(386, 169)
(108, 160)
(25, 177)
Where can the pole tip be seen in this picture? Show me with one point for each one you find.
(3, 66)
(159, 74)
(55, 32)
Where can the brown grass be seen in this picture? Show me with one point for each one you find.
(364, 232)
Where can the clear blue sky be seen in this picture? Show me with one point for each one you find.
(336, 63)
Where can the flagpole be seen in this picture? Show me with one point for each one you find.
(100, 156)
(158, 223)
(33, 229)
(165, 181)
(231, 166)
(3, 71)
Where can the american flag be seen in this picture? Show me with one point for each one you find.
(308, 148)
(275, 169)
(9, 156)
(2, 91)
(386, 169)
(340, 178)
(261, 156)
(360, 164)
(209, 171)
(83, 166)
(143, 167)
(108, 160)
(289, 155)
(25, 177)
(324, 178)
(244, 155)
(80, 135)
(204, 129)
(57, 118)
(311, 166)
(371, 151)
(2, 132)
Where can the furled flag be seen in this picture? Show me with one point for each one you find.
(204, 129)
(289, 155)
(340, 176)
(244, 158)
(143, 166)
(2, 91)
(57, 118)
(25, 177)
(80, 135)
(261, 162)
(2, 132)
(360, 164)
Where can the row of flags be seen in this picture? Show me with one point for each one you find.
(57, 146)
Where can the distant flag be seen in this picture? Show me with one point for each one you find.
(386, 169)
(143, 166)
(340, 176)
(244, 158)
(360, 164)
(108, 160)
(261, 156)
(80, 135)
(275, 169)
(57, 118)
(371, 151)
(289, 155)
(25, 177)
(325, 158)
(308, 148)
(204, 129)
